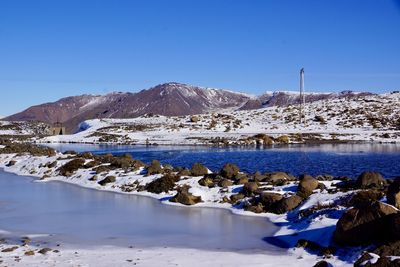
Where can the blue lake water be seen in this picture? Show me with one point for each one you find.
(335, 159)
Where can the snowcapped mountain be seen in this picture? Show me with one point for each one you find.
(170, 99)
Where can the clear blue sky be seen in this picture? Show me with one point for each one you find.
(55, 48)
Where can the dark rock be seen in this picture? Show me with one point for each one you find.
(163, 184)
(393, 193)
(91, 164)
(225, 183)
(184, 197)
(86, 155)
(52, 164)
(10, 249)
(368, 180)
(11, 163)
(365, 224)
(70, 167)
(307, 185)
(154, 168)
(242, 180)
(322, 264)
(199, 169)
(44, 250)
(287, 204)
(236, 197)
(249, 188)
(102, 168)
(365, 196)
(395, 226)
(258, 177)
(127, 162)
(184, 172)
(107, 180)
(364, 257)
(278, 178)
(206, 181)
(256, 208)
(388, 249)
(229, 171)
(269, 199)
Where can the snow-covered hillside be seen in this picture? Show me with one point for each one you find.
(359, 118)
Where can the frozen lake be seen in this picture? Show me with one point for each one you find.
(88, 217)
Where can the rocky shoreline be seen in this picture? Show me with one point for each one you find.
(336, 218)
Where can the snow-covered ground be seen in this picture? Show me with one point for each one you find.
(20, 128)
(318, 228)
(362, 118)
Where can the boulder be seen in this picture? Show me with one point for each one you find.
(107, 180)
(395, 226)
(127, 162)
(367, 260)
(322, 264)
(269, 199)
(259, 177)
(393, 193)
(364, 224)
(307, 185)
(368, 180)
(163, 184)
(184, 172)
(225, 183)
(11, 163)
(184, 197)
(365, 196)
(207, 181)
(242, 180)
(287, 204)
(256, 207)
(388, 249)
(236, 197)
(70, 167)
(154, 168)
(249, 188)
(101, 168)
(199, 169)
(278, 178)
(229, 171)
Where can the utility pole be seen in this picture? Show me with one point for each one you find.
(302, 98)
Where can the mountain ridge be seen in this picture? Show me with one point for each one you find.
(169, 99)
